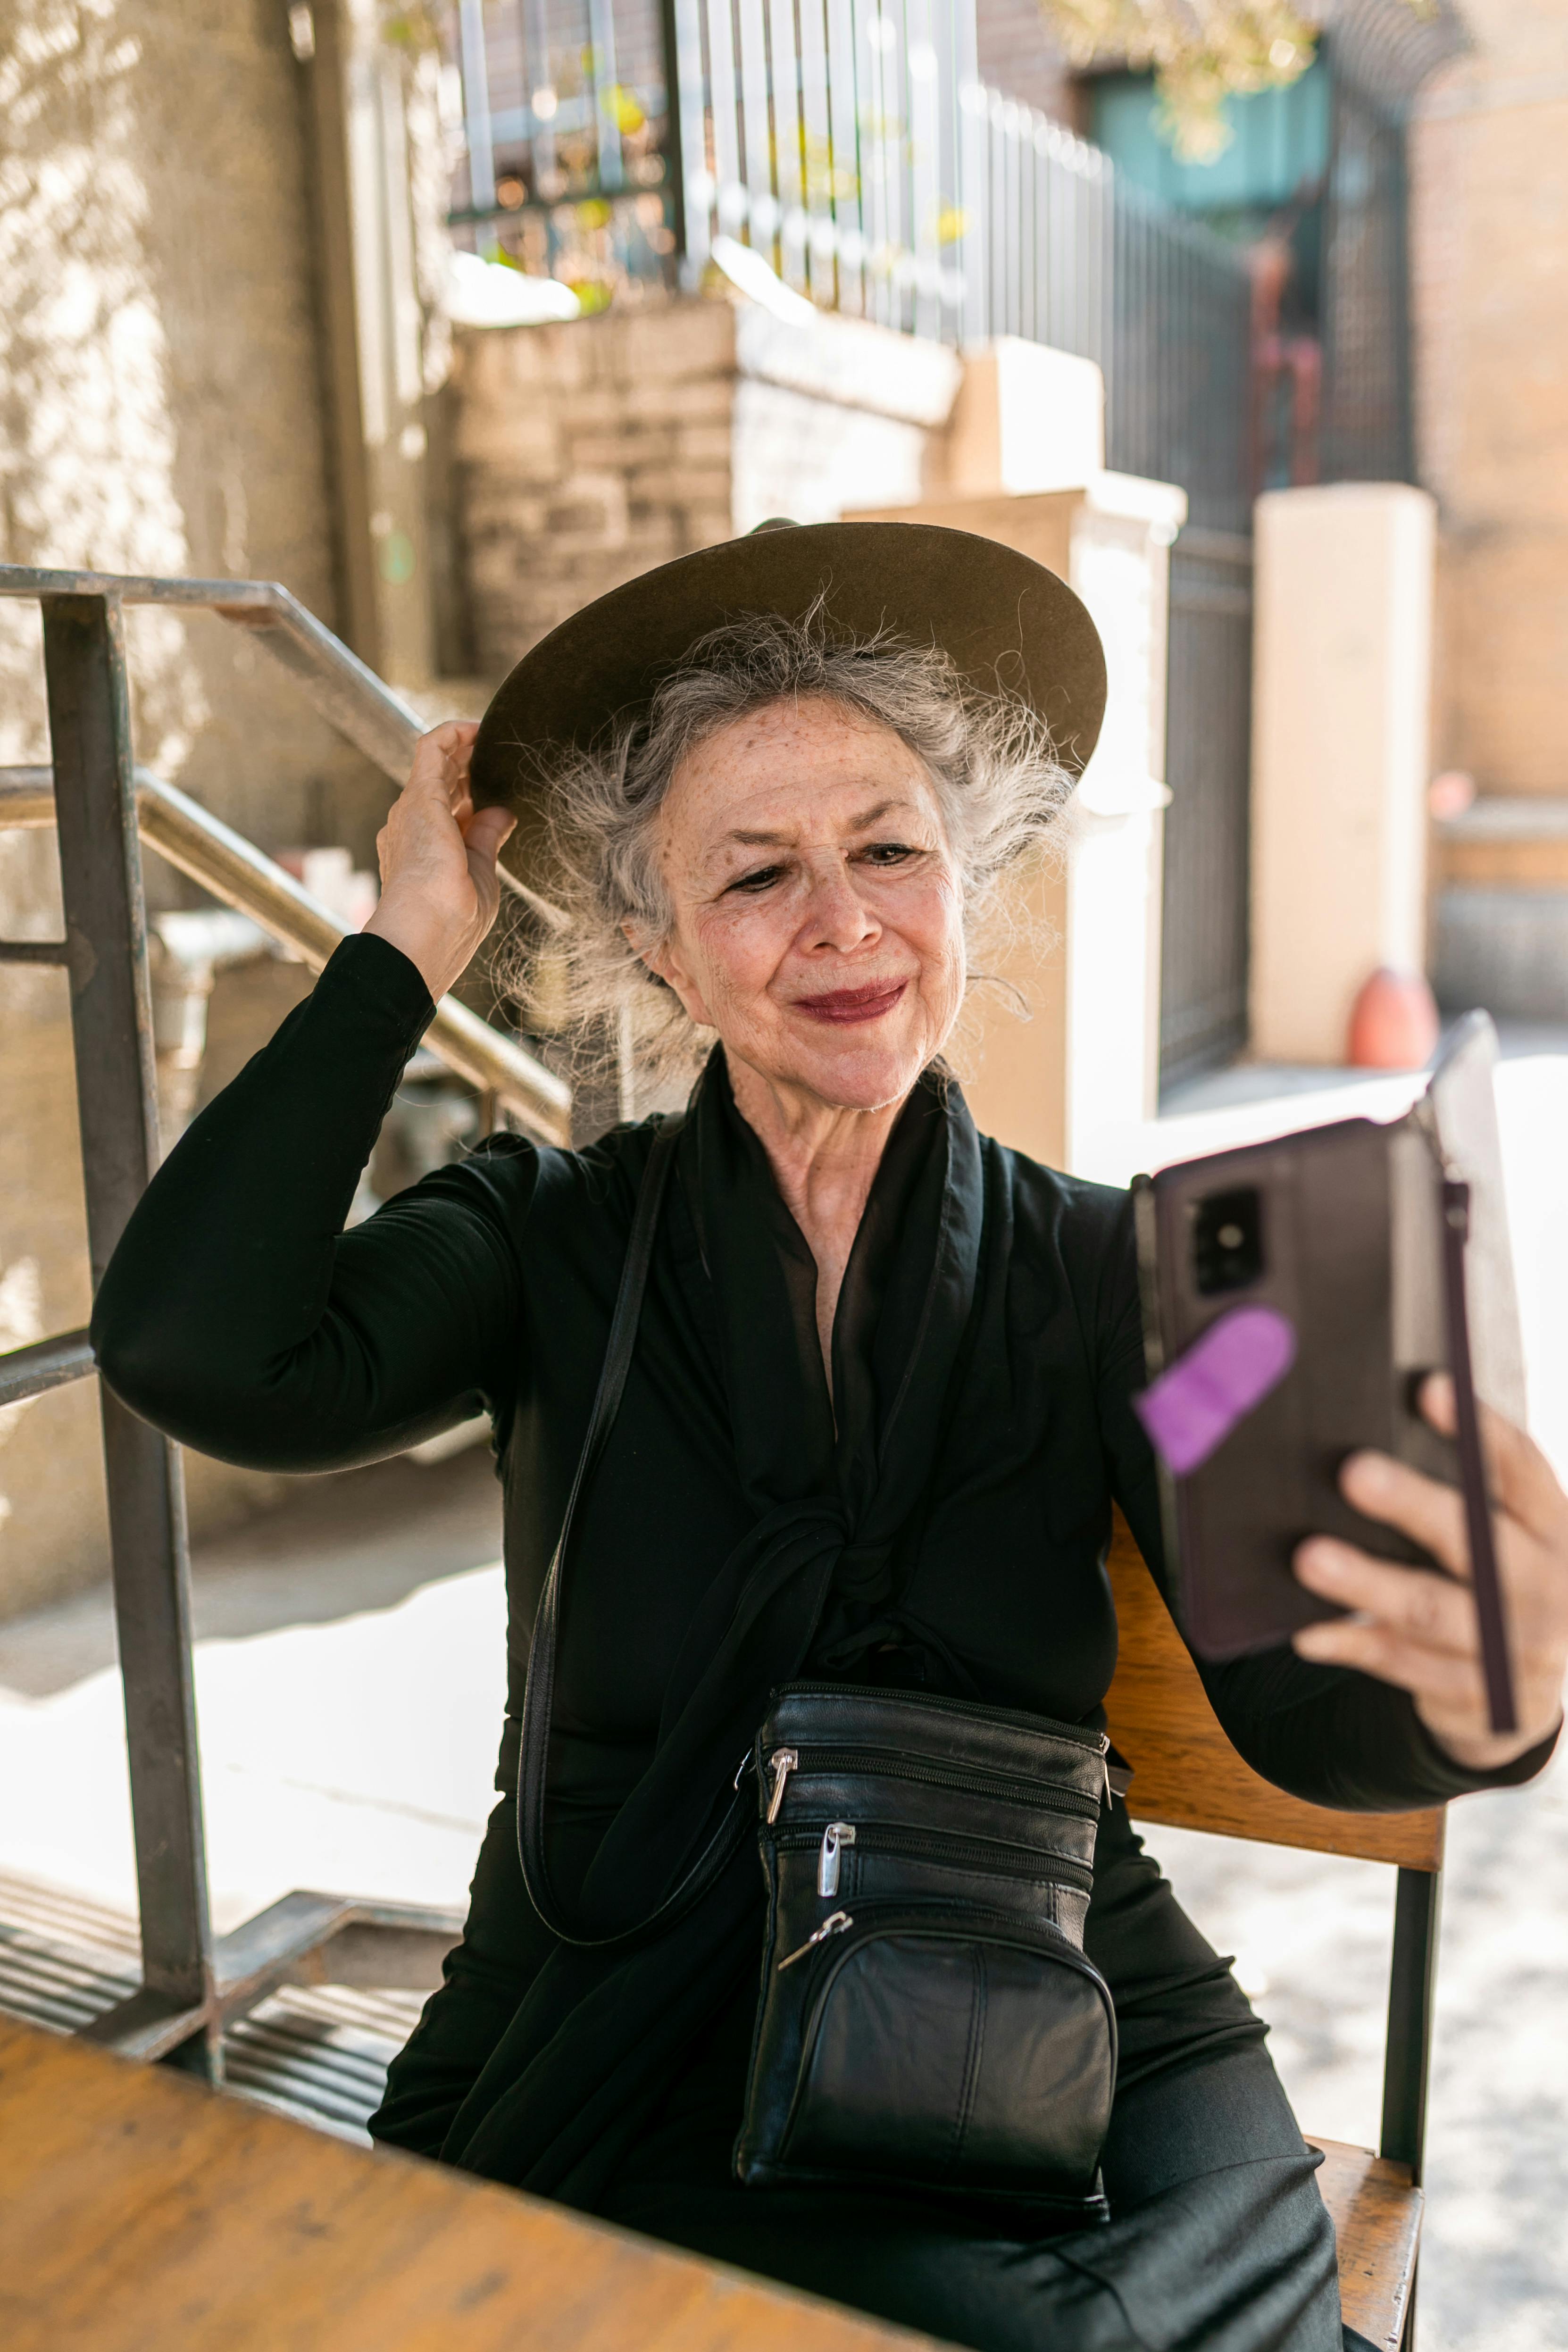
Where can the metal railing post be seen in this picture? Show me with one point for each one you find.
(100, 869)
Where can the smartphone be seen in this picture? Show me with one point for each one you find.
(1295, 1292)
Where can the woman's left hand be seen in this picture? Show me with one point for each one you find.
(1417, 1629)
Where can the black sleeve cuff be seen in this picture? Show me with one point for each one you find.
(385, 988)
(1455, 1780)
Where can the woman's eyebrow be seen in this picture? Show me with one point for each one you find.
(782, 840)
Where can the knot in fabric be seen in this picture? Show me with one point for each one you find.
(865, 1572)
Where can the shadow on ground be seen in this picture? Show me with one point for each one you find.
(346, 1546)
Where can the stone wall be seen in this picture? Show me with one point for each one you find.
(1489, 152)
(586, 454)
(582, 456)
(1489, 169)
(1016, 53)
(161, 410)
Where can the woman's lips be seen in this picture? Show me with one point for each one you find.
(844, 1007)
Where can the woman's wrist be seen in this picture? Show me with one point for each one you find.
(1488, 1752)
(409, 924)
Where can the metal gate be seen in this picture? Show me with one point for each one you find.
(1178, 395)
(1205, 933)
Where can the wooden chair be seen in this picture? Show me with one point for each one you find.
(1187, 1774)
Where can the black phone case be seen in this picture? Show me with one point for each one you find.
(1348, 1224)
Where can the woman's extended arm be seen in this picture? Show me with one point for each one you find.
(1323, 1730)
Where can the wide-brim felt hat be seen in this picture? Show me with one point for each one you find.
(1008, 623)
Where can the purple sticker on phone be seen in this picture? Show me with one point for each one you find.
(1193, 1405)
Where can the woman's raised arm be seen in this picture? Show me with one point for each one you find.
(236, 1313)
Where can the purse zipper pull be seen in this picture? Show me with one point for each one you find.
(835, 1926)
(781, 1764)
(837, 1835)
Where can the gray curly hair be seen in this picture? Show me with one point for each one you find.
(989, 757)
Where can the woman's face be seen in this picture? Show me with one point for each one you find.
(817, 907)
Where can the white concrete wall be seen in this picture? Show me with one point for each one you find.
(1028, 418)
(1343, 662)
(1076, 946)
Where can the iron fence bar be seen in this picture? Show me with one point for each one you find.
(849, 181)
(543, 102)
(1214, 546)
(477, 104)
(756, 129)
(604, 81)
(787, 90)
(685, 158)
(46, 1364)
(817, 148)
(924, 69)
(111, 1023)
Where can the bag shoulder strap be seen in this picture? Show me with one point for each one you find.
(540, 1693)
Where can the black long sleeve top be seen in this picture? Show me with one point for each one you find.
(241, 1317)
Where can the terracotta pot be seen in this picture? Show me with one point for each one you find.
(1394, 1022)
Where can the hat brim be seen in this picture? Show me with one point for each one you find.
(1008, 624)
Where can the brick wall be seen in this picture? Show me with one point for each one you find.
(160, 411)
(586, 454)
(1018, 54)
(1489, 160)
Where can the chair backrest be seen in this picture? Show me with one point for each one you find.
(1185, 1771)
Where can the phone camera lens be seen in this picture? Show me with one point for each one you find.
(1227, 1241)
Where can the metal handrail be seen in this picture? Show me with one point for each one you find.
(345, 691)
(44, 1364)
(233, 869)
(99, 804)
(366, 712)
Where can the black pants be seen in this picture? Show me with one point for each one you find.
(1218, 2241)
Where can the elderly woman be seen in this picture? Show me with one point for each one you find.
(873, 1422)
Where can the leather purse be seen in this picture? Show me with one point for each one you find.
(928, 2019)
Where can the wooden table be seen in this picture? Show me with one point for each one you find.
(142, 2212)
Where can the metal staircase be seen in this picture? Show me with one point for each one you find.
(194, 1985)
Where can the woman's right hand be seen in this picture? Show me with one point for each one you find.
(439, 888)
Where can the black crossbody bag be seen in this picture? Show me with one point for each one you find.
(928, 2019)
